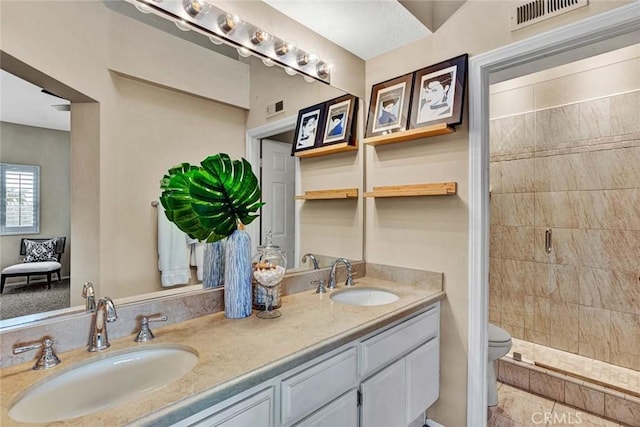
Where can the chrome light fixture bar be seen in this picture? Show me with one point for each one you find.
(222, 27)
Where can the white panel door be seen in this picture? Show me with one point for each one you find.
(384, 398)
(278, 191)
(423, 378)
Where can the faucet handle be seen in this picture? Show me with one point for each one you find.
(47, 359)
(145, 333)
(320, 289)
(89, 294)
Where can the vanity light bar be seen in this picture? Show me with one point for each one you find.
(220, 26)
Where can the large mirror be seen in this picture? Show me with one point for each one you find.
(144, 97)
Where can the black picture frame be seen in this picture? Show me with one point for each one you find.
(389, 106)
(438, 93)
(340, 120)
(309, 128)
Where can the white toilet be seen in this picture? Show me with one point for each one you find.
(499, 345)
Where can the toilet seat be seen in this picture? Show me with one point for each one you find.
(498, 337)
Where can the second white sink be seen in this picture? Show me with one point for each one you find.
(103, 382)
(364, 296)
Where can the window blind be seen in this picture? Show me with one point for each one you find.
(19, 198)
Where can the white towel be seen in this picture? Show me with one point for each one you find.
(197, 258)
(173, 252)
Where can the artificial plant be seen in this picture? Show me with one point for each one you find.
(209, 201)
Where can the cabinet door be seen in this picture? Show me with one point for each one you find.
(384, 397)
(423, 378)
(308, 390)
(254, 411)
(342, 412)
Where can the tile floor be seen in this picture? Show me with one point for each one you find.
(518, 408)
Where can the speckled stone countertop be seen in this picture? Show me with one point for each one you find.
(233, 355)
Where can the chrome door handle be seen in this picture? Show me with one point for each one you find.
(547, 241)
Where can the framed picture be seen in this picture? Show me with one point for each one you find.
(438, 93)
(309, 127)
(340, 120)
(389, 107)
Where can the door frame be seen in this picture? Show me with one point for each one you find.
(597, 34)
(252, 154)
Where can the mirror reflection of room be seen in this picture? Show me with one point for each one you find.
(130, 126)
(35, 199)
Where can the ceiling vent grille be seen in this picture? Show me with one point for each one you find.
(535, 11)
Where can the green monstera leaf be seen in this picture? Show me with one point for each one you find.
(207, 202)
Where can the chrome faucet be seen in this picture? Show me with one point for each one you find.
(90, 295)
(332, 274)
(313, 258)
(145, 334)
(47, 359)
(105, 313)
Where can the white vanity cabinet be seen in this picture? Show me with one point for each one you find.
(408, 382)
(385, 379)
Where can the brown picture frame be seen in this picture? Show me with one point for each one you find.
(438, 93)
(340, 123)
(389, 106)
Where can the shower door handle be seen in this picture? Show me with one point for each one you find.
(547, 241)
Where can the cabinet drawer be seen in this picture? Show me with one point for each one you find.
(383, 348)
(256, 410)
(308, 390)
(342, 412)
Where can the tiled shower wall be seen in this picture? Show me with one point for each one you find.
(574, 169)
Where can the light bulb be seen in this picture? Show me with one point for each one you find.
(227, 23)
(302, 59)
(182, 26)
(268, 62)
(260, 37)
(281, 48)
(196, 7)
(216, 40)
(309, 79)
(290, 71)
(323, 69)
(143, 8)
(244, 52)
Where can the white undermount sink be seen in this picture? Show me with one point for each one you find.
(103, 382)
(364, 296)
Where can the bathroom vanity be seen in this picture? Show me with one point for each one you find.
(322, 363)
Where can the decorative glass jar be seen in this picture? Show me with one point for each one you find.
(269, 267)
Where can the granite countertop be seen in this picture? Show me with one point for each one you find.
(233, 354)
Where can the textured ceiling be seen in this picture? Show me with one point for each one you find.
(366, 28)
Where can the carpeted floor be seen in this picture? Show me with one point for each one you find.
(20, 300)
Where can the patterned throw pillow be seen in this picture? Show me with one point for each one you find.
(40, 251)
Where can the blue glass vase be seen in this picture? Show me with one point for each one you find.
(237, 275)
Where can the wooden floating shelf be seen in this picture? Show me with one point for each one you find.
(433, 189)
(409, 135)
(339, 193)
(329, 149)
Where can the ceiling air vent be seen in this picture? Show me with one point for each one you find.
(535, 11)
